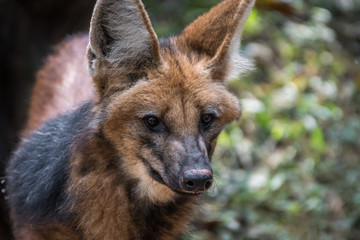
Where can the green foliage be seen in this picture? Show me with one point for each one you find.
(290, 168)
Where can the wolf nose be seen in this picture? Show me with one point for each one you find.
(197, 181)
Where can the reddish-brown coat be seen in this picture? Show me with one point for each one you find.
(62, 84)
(107, 181)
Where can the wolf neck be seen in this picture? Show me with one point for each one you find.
(106, 202)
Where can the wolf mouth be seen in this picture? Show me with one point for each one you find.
(190, 194)
(156, 175)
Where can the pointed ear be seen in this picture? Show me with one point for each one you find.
(122, 40)
(217, 35)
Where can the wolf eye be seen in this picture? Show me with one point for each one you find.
(207, 120)
(151, 122)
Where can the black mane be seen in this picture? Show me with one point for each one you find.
(38, 170)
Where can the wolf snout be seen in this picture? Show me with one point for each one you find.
(197, 181)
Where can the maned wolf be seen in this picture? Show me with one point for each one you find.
(129, 161)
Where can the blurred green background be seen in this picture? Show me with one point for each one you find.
(290, 168)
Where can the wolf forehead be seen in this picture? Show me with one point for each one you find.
(182, 82)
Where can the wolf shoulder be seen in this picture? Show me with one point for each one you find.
(37, 170)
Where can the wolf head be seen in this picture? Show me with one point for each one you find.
(165, 101)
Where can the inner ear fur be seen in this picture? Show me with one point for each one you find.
(217, 35)
(122, 41)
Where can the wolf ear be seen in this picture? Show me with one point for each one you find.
(217, 35)
(122, 40)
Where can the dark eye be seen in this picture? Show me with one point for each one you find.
(151, 122)
(207, 120)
